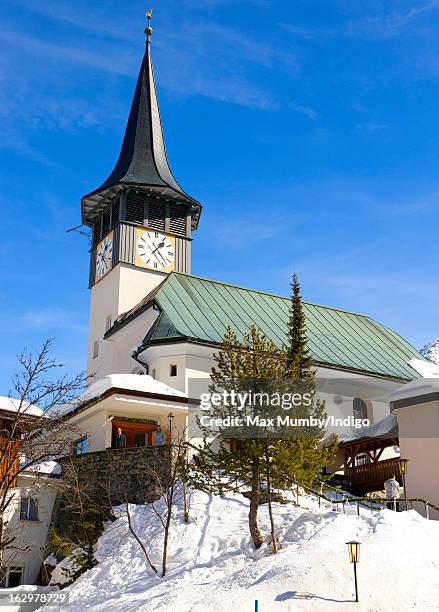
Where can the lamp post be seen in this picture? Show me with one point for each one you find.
(354, 557)
(403, 464)
(171, 418)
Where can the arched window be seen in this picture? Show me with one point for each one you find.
(359, 408)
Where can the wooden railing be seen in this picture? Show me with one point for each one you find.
(372, 476)
(9, 461)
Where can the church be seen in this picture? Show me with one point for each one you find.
(155, 327)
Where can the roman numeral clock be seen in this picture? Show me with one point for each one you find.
(141, 231)
(155, 250)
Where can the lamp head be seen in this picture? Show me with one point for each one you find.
(354, 551)
(403, 464)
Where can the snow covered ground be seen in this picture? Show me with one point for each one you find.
(214, 567)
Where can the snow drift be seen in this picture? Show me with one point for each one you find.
(213, 565)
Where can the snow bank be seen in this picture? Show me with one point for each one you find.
(13, 405)
(213, 566)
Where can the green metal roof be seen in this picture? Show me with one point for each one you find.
(201, 309)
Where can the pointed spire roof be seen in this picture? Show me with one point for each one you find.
(142, 159)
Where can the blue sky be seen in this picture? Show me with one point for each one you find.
(308, 129)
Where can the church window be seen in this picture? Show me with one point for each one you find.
(28, 509)
(95, 349)
(359, 408)
(178, 220)
(172, 370)
(156, 216)
(135, 209)
(108, 322)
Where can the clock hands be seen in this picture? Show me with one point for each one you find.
(159, 246)
(155, 250)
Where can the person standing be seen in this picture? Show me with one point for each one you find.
(120, 440)
(391, 487)
(159, 437)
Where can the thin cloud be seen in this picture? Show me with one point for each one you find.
(52, 317)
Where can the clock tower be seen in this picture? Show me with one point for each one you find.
(140, 217)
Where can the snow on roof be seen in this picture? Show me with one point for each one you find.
(129, 382)
(429, 383)
(425, 368)
(13, 405)
(422, 386)
(388, 425)
(45, 467)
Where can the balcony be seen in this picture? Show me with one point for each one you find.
(372, 476)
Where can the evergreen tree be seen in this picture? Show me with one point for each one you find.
(299, 361)
(236, 465)
(273, 457)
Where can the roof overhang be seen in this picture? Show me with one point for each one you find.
(161, 402)
(93, 203)
(216, 345)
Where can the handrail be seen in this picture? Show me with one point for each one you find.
(368, 502)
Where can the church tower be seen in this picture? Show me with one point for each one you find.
(141, 219)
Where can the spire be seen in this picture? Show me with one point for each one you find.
(142, 159)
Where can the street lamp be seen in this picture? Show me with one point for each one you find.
(354, 557)
(403, 465)
(171, 418)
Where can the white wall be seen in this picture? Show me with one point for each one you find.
(116, 293)
(31, 534)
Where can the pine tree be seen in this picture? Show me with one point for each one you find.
(306, 453)
(275, 458)
(299, 361)
(235, 465)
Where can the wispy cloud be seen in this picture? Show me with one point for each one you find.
(391, 24)
(219, 63)
(386, 25)
(52, 318)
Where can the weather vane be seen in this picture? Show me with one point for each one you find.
(148, 29)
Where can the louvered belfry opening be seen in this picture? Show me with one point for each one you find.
(97, 230)
(115, 212)
(135, 209)
(106, 220)
(177, 223)
(156, 215)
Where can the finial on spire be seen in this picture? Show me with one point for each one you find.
(148, 29)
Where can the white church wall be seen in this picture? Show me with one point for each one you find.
(121, 289)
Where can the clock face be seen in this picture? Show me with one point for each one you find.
(156, 250)
(104, 256)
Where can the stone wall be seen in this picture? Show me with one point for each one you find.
(109, 477)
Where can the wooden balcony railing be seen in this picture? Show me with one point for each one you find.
(9, 456)
(372, 476)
